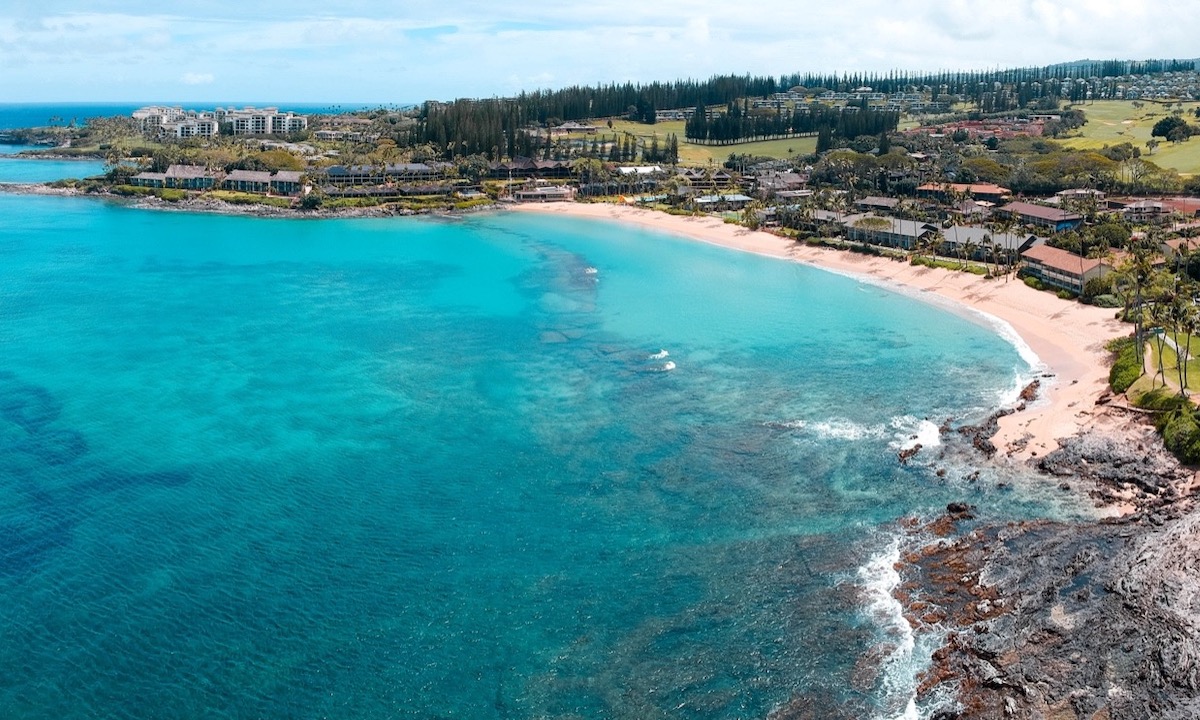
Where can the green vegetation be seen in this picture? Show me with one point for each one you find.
(1112, 123)
(1128, 366)
(242, 198)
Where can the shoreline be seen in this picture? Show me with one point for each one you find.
(1068, 338)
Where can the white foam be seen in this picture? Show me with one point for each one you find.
(668, 366)
(840, 429)
(908, 657)
(661, 354)
(590, 271)
(911, 431)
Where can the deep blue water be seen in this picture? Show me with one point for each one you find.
(412, 468)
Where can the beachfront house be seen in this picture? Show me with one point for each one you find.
(191, 177)
(1062, 269)
(887, 231)
(287, 182)
(1052, 218)
(722, 201)
(250, 181)
(181, 177)
(283, 182)
(983, 244)
(545, 193)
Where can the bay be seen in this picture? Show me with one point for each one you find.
(501, 466)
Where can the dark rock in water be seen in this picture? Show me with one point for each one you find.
(1029, 392)
(957, 508)
(55, 447)
(29, 406)
(907, 453)
(981, 435)
(23, 550)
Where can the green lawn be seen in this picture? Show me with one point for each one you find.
(1171, 363)
(1112, 122)
(700, 155)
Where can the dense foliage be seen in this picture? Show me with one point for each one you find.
(1128, 366)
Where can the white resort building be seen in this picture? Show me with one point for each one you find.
(164, 121)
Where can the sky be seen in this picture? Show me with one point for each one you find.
(400, 52)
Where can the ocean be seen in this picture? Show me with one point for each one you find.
(497, 466)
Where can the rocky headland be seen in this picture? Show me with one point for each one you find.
(1095, 620)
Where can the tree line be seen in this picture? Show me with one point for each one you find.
(739, 123)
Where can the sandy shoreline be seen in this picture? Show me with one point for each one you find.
(1067, 337)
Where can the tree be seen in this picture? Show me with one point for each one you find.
(1164, 127)
(1151, 144)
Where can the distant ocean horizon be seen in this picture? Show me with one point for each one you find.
(23, 115)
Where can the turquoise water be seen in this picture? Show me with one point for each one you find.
(17, 169)
(416, 468)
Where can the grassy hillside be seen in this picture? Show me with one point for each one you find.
(704, 154)
(1112, 122)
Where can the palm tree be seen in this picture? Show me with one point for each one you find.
(968, 251)
(989, 252)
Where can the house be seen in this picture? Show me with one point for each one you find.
(774, 182)
(727, 201)
(886, 231)
(1143, 210)
(1048, 217)
(287, 182)
(1063, 269)
(149, 179)
(251, 181)
(878, 204)
(976, 191)
(1177, 249)
(190, 177)
(958, 238)
(545, 193)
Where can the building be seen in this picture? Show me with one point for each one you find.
(976, 191)
(1062, 269)
(191, 177)
(886, 231)
(981, 241)
(265, 121)
(728, 201)
(1055, 219)
(545, 193)
(251, 181)
(164, 121)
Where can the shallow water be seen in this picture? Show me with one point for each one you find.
(15, 168)
(504, 466)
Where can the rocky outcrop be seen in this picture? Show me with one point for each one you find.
(1096, 620)
(1064, 621)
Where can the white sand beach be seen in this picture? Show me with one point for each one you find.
(1067, 337)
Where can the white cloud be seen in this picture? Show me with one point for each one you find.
(193, 78)
(400, 52)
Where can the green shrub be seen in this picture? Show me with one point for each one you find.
(1107, 301)
(1034, 283)
(1126, 369)
(171, 194)
(131, 190)
(1065, 295)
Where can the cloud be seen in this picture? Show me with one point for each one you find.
(194, 78)
(362, 50)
